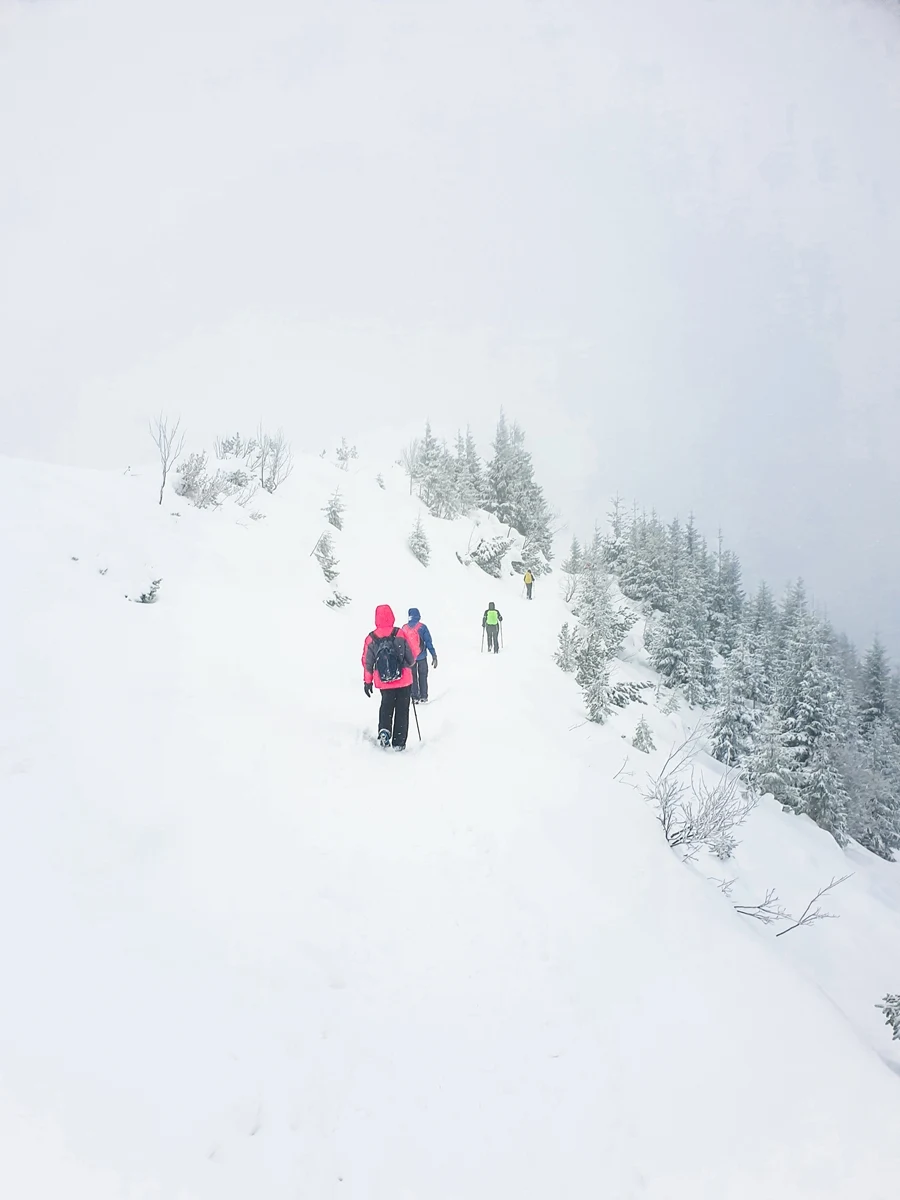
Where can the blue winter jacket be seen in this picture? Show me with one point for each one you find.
(427, 645)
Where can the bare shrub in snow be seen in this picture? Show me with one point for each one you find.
(672, 705)
(488, 554)
(891, 1009)
(345, 453)
(411, 461)
(189, 474)
(246, 493)
(273, 459)
(643, 738)
(418, 543)
(324, 552)
(337, 599)
(334, 510)
(235, 446)
(256, 515)
(379, 479)
(169, 444)
(204, 490)
(692, 812)
(723, 846)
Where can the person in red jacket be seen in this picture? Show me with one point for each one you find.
(387, 659)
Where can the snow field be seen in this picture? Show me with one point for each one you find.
(254, 955)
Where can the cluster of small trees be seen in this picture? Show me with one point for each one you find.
(793, 706)
(453, 481)
(264, 461)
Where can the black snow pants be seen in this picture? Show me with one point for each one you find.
(528, 587)
(493, 632)
(420, 679)
(394, 714)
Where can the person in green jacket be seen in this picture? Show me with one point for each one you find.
(491, 621)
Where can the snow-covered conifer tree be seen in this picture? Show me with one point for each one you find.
(890, 1006)
(643, 737)
(325, 556)
(597, 695)
(565, 653)
(334, 510)
(875, 682)
(418, 543)
(437, 477)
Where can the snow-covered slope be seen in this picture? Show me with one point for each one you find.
(247, 954)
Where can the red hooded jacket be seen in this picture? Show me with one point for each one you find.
(384, 623)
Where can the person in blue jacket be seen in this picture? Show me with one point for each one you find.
(420, 666)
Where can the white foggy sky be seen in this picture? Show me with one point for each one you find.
(664, 235)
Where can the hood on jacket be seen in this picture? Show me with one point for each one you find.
(414, 616)
(384, 617)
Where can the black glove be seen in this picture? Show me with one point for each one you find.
(367, 688)
(434, 662)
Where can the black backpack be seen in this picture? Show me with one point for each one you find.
(388, 657)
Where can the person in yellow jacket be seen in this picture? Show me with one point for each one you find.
(529, 583)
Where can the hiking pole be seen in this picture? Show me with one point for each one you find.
(482, 639)
(416, 715)
(501, 635)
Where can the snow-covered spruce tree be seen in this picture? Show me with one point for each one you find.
(437, 477)
(489, 553)
(873, 813)
(464, 485)
(515, 498)
(823, 795)
(572, 568)
(474, 467)
(325, 555)
(615, 543)
(643, 738)
(769, 766)
(874, 688)
(726, 600)
(597, 695)
(565, 650)
(890, 1006)
(734, 719)
(334, 510)
(418, 543)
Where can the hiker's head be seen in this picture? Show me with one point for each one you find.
(414, 615)
(491, 605)
(384, 616)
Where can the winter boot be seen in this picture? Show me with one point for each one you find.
(384, 737)
(398, 748)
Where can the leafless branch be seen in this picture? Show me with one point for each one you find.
(811, 914)
(169, 445)
(768, 910)
(725, 886)
(622, 768)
